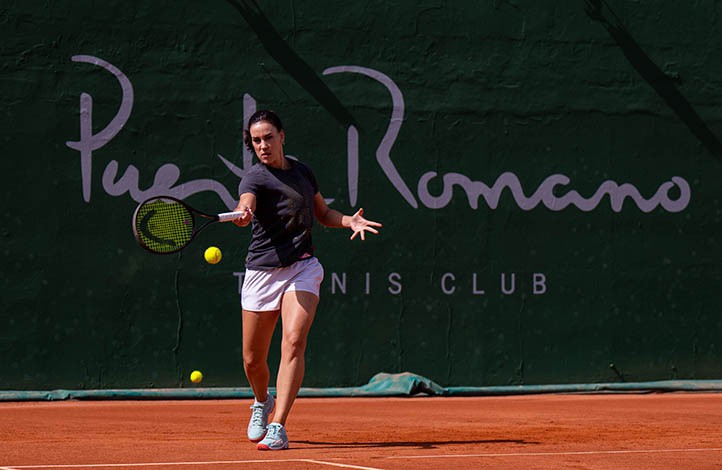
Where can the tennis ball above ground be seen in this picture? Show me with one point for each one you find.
(213, 254)
(196, 376)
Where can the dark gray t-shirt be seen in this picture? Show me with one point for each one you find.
(284, 214)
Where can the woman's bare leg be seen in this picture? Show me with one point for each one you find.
(257, 333)
(298, 309)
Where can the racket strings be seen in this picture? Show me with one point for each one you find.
(164, 225)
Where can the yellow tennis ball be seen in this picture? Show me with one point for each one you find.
(213, 255)
(196, 376)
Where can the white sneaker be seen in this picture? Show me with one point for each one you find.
(276, 438)
(259, 418)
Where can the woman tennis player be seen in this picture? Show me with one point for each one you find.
(281, 198)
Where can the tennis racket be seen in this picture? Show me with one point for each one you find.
(165, 225)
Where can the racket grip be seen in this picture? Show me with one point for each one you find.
(228, 216)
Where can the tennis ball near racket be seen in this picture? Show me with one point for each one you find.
(196, 376)
(213, 255)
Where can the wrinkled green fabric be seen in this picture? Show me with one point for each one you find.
(381, 385)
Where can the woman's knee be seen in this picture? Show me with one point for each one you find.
(293, 345)
(253, 362)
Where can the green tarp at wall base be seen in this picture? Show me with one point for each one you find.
(381, 385)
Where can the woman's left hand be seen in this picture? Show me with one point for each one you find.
(359, 225)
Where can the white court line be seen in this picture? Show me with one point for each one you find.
(158, 464)
(542, 454)
(343, 465)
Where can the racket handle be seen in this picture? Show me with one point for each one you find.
(228, 216)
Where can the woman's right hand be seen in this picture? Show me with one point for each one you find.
(246, 218)
(246, 204)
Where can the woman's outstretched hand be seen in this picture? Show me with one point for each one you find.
(359, 225)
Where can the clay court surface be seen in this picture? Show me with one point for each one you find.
(608, 431)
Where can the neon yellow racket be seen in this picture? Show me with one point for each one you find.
(165, 225)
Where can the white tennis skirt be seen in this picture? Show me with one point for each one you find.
(262, 289)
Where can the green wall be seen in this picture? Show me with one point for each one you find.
(548, 175)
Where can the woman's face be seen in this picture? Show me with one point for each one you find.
(268, 143)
